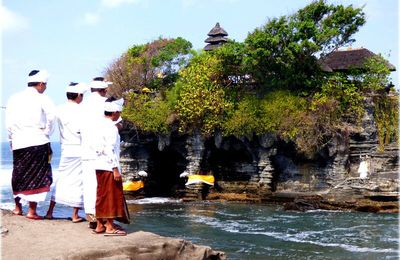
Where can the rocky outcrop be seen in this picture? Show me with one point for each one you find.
(61, 239)
(262, 168)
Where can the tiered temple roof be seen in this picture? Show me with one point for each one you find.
(217, 37)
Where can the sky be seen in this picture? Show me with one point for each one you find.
(77, 40)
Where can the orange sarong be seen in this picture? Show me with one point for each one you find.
(110, 200)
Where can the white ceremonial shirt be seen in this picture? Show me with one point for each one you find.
(93, 112)
(30, 118)
(69, 117)
(107, 149)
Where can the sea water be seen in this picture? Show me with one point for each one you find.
(249, 231)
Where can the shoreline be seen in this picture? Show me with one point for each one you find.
(23, 238)
(303, 201)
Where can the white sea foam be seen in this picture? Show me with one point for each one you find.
(154, 200)
(5, 177)
(297, 239)
(323, 211)
(302, 237)
(227, 214)
(7, 205)
(287, 217)
(232, 226)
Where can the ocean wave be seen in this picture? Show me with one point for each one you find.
(5, 179)
(323, 211)
(297, 239)
(232, 226)
(154, 200)
(227, 214)
(7, 205)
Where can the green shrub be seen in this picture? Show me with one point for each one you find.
(148, 114)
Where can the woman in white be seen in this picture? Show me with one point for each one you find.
(68, 189)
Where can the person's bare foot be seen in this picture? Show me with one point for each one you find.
(18, 208)
(17, 212)
(48, 216)
(99, 231)
(77, 220)
(115, 232)
(34, 217)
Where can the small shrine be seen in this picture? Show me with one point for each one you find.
(217, 37)
(343, 60)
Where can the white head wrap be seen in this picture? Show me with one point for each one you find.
(119, 103)
(79, 88)
(41, 76)
(110, 107)
(114, 106)
(98, 84)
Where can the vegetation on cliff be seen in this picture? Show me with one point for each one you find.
(272, 82)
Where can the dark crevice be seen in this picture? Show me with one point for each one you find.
(164, 170)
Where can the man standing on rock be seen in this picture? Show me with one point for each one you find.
(68, 188)
(93, 112)
(110, 202)
(30, 118)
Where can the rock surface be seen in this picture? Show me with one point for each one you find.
(61, 239)
(262, 168)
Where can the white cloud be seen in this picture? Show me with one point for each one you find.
(116, 3)
(91, 18)
(192, 3)
(10, 21)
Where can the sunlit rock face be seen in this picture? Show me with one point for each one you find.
(260, 167)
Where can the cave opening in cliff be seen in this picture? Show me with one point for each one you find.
(165, 167)
(290, 165)
(229, 162)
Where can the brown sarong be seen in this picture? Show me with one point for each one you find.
(110, 200)
(32, 170)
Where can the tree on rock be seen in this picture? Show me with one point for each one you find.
(152, 66)
(283, 52)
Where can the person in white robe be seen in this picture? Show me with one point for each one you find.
(68, 188)
(93, 112)
(30, 117)
(110, 201)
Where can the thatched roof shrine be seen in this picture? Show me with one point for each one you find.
(217, 30)
(217, 37)
(343, 60)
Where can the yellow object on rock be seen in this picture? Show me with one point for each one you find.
(133, 185)
(196, 178)
(145, 90)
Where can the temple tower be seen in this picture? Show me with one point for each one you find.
(217, 37)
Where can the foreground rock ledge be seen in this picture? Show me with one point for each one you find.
(61, 239)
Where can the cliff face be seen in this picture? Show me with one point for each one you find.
(263, 168)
